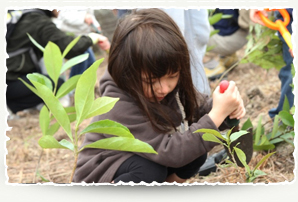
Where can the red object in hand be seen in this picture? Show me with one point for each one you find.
(223, 86)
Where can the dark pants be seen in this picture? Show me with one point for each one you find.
(19, 97)
(285, 75)
(138, 169)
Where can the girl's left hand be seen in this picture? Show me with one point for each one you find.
(240, 112)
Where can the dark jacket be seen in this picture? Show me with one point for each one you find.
(174, 149)
(43, 30)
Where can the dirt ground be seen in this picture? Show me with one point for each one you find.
(28, 163)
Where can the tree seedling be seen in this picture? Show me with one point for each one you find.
(53, 115)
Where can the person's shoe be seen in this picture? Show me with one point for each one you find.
(229, 61)
(214, 72)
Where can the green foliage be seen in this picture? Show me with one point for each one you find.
(214, 18)
(226, 141)
(263, 48)
(283, 129)
(53, 115)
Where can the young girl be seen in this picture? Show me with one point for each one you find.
(149, 70)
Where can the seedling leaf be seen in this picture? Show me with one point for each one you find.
(55, 107)
(122, 144)
(108, 127)
(102, 105)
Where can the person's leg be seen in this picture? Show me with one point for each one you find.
(285, 77)
(227, 45)
(19, 97)
(137, 169)
(81, 67)
(181, 174)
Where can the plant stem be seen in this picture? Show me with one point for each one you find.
(233, 158)
(76, 153)
(36, 169)
(74, 167)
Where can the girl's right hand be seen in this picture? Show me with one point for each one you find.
(225, 104)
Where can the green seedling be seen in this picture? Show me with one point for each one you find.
(53, 115)
(229, 141)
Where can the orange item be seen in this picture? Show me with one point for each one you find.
(279, 25)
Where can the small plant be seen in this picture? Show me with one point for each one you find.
(263, 48)
(53, 115)
(282, 131)
(229, 141)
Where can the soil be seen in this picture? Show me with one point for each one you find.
(260, 89)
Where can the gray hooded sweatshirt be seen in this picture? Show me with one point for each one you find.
(174, 149)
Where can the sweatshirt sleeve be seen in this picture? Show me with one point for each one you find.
(179, 149)
(49, 32)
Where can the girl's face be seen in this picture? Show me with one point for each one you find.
(161, 86)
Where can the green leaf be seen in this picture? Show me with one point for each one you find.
(238, 134)
(71, 109)
(276, 140)
(258, 173)
(49, 142)
(292, 110)
(247, 125)
(262, 161)
(231, 163)
(211, 131)
(29, 86)
(72, 117)
(286, 105)
(286, 118)
(68, 86)
(70, 46)
(215, 18)
(102, 105)
(275, 126)
(211, 138)
(263, 147)
(44, 119)
(258, 131)
(73, 61)
(242, 158)
(42, 79)
(67, 144)
(84, 94)
(41, 177)
(53, 61)
(122, 144)
(213, 32)
(108, 127)
(54, 106)
(226, 16)
(287, 136)
(35, 43)
(209, 48)
(53, 129)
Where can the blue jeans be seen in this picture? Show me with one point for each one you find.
(81, 67)
(285, 75)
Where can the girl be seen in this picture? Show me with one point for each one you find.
(149, 70)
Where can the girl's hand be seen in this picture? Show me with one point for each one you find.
(226, 104)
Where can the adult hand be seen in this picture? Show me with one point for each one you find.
(254, 16)
(291, 52)
(88, 19)
(104, 43)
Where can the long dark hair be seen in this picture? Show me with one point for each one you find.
(148, 41)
